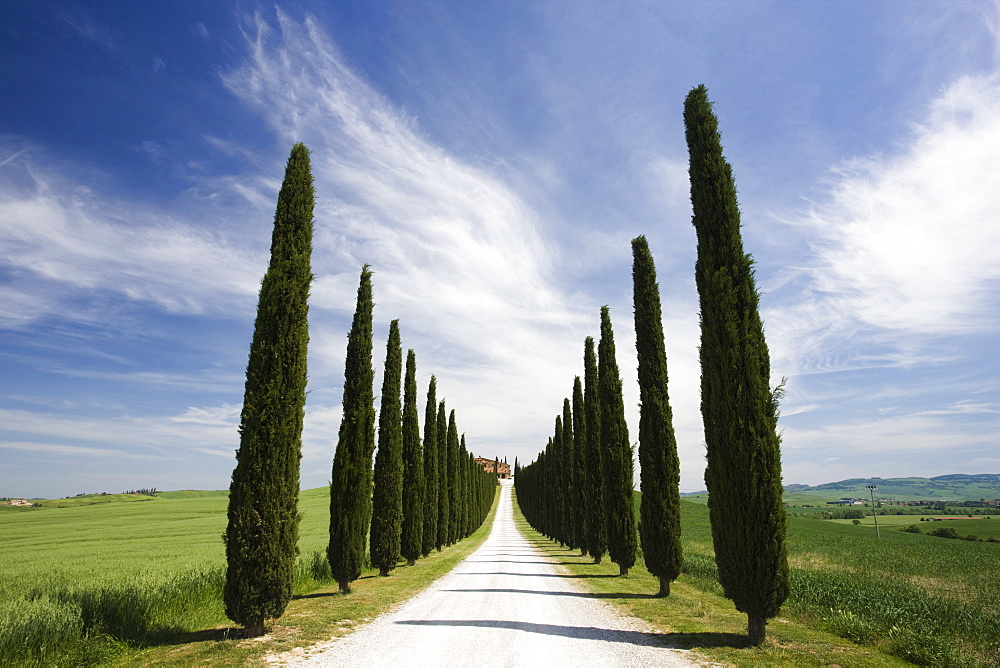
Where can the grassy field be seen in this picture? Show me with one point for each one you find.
(981, 526)
(925, 600)
(90, 585)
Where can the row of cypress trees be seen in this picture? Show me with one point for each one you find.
(391, 512)
(419, 496)
(579, 490)
(739, 411)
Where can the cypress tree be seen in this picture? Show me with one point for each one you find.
(558, 484)
(597, 538)
(444, 479)
(616, 452)
(387, 499)
(351, 478)
(413, 468)
(262, 533)
(454, 480)
(431, 478)
(660, 473)
(739, 409)
(581, 527)
(569, 477)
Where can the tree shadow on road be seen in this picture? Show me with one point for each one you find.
(574, 594)
(665, 640)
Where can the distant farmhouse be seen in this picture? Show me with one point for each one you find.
(502, 468)
(20, 502)
(846, 502)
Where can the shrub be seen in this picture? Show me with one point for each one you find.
(913, 528)
(944, 532)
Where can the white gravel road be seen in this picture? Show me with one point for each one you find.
(505, 605)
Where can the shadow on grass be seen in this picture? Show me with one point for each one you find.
(202, 635)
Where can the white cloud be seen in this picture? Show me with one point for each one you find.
(457, 254)
(61, 241)
(906, 248)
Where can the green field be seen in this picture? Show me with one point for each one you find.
(141, 573)
(123, 571)
(983, 527)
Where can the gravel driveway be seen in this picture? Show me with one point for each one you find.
(505, 605)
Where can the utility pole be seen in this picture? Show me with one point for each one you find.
(871, 490)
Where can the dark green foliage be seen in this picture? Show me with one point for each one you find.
(454, 480)
(557, 483)
(739, 409)
(387, 499)
(660, 474)
(616, 455)
(568, 470)
(597, 535)
(262, 532)
(432, 481)
(581, 479)
(444, 479)
(411, 545)
(351, 478)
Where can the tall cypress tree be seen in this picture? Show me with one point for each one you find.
(558, 484)
(454, 480)
(597, 536)
(413, 468)
(660, 470)
(739, 409)
(581, 519)
(569, 476)
(616, 452)
(262, 534)
(387, 498)
(444, 478)
(432, 480)
(351, 478)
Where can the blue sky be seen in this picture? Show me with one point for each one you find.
(491, 161)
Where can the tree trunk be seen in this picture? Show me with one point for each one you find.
(411, 562)
(664, 587)
(345, 586)
(583, 552)
(597, 559)
(622, 570)
(254, 629)
(756, 628)
(383, 572)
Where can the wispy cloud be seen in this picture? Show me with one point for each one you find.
(907, 249)
(457, 254)
(60, 240)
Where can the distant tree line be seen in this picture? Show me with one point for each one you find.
(419, 496)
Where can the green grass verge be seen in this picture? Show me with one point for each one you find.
(833, 607)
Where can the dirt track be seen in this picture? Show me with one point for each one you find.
(505, 605)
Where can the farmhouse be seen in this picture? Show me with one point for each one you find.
(20, 502)
(502, 468)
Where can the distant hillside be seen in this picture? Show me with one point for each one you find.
(953, 487)
(957, 487)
